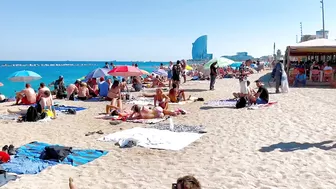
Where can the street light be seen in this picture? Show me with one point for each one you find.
(323, 18)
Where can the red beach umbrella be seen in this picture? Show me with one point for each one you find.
(125, 71)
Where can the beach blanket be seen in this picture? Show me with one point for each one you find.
(27, 160)
(258, 106)
(153, 138)
(64, 108)
(5, 178)
(180, 128)
(221, 103)
(143, 101)
(147, 121)
(9, 116)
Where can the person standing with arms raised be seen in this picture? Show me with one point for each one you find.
(213, 75)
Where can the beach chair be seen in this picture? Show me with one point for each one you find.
(327, 75)
(315, 75)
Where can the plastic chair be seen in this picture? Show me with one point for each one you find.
(315, 75)
(327, 75)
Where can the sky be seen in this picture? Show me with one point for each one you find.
(157, 30)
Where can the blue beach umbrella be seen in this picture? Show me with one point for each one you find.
(160, 72)
(97, 73)
(24, 76)
(236, 65)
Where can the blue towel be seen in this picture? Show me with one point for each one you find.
(27, 160)
(64, 108)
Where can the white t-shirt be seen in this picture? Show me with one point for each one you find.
(243, 87)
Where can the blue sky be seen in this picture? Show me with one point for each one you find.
(153, 29)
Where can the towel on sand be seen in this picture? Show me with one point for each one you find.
(147, 121)
(258, 106)
(64, 108)
(153, 138)
(221, 103)
(27, 160)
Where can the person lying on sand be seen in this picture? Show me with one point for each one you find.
(176, 95)
(145, 113)
(27, 96)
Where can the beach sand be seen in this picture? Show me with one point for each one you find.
(228, 156)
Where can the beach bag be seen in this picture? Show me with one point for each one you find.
(58, 153)
(31, 115)
(241, 103)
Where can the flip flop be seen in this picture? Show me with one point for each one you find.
(89, 133)
(100, 132)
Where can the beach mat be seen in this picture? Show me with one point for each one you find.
(153, 138)
(65, 108)
(9, 116)
(143, 101)
(147, 121)
(27, 160)
(221, 103)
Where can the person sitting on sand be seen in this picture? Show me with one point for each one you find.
(83, 92)
(145, 113)
(47, 103)
(41, 91)
(60, 88)
(161, 99)
(262, 96)
(186, 182)
(27, 96)
(175, 95)
(123, 85)
(157, 82)
(72, 90)
(244, 90)
(137, 84)
(114, 95)
(93, 87)
(103, 87)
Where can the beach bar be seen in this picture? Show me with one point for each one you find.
(304, 56)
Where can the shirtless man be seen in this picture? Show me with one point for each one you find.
(83, 92)
(41, 91)
(27, 96)
(137, 85)
(176, 95)
(72, 89)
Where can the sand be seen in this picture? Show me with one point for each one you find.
(228, 156)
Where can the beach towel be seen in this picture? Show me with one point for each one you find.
(95, 99)
(147, 121)
(221, 103)
(6, 177)
(27, 160)
(180, 128)
(258, 106)
(64, 108)
(153, 138)
(9, 116)
(142, 101)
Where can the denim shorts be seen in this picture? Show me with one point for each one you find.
(261, 101)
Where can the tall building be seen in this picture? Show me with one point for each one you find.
(200, 49)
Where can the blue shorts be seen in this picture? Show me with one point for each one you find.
(261, 101)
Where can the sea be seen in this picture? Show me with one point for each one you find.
(51, 70)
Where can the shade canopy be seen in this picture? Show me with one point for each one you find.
(221, 62)
(24, 76)
(318, 46)
(160, 72)
(97, 73)
(125, 71)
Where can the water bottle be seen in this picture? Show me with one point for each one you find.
(171, 124)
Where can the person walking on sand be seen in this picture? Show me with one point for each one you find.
(213, 75)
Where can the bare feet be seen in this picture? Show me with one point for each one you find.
(71, 184)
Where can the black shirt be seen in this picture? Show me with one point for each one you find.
(213, 70)
(263, 93)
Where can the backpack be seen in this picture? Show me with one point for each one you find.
(58, 153)
(241, 103)
(31, 115)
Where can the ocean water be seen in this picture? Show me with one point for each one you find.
(51, 73)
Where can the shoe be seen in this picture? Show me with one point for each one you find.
(5, 148)
(11, 150)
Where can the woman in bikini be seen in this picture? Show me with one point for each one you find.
(161, 99)
(114, 96)
(145, 113)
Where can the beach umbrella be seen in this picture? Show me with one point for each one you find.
(125, 71)
(160, 72)
(1, 84)
(236, 65)
(221, 62)
(189, 68)
(24, 76)
(97, 73)
(145, 72)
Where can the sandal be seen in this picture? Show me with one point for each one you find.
(100, 132)
(89, 133)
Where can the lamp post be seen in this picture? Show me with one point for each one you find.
(323, 29)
